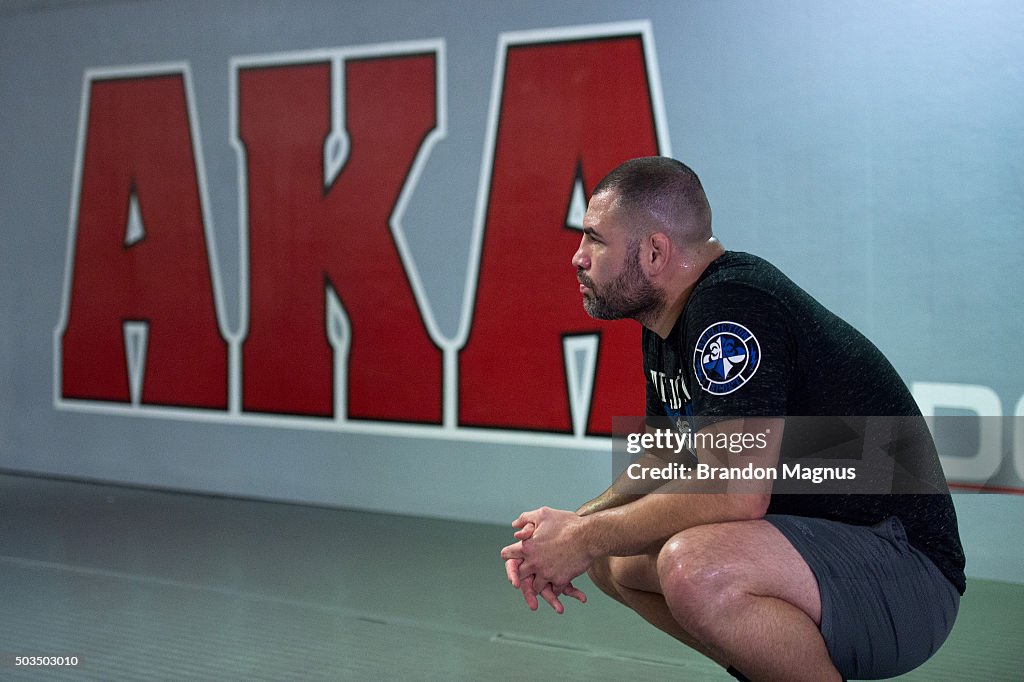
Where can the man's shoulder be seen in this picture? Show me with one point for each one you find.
(739, 268)
(739, 280)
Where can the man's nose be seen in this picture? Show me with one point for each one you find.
(580, 260)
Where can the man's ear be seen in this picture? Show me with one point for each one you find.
(660, 249)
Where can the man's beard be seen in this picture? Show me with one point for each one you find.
(630, 295)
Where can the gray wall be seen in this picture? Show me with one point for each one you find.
(872, 151)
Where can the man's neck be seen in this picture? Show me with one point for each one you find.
(688, 273)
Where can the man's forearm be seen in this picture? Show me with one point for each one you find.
(659, 509)
(633, 527)
(606, 500)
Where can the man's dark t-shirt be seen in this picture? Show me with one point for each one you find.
(750, 342)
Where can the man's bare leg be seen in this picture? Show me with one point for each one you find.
(742, 589)
(738, 593)
(613, 574)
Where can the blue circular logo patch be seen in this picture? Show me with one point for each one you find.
(726, 357)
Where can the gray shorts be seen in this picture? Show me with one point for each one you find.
(885, 607)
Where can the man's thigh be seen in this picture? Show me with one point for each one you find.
(750, 555)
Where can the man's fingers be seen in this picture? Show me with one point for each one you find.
(525, 584)
(513, 551)
(512, 571)
(576, 594)
(529, 594)
(528, 517)
(525, 532)
(551, 598)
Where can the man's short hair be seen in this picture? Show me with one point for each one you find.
(666, 188)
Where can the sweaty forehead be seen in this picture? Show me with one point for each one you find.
(602, 212)
(606, 216)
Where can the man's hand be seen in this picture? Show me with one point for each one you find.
(526, 583)
(551, 551)
(526, 586)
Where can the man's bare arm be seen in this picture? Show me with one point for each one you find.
(633, 526)
(556, 546)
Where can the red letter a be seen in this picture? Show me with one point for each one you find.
(570, 111)
(140, 258)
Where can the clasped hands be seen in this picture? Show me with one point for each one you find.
(550, 551)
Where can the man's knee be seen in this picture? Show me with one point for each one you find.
(680, 572)
(696, 584)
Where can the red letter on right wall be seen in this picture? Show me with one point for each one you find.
(568, 109)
